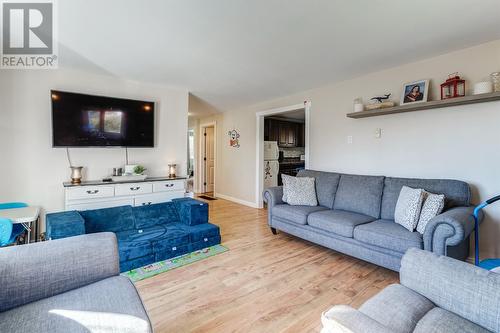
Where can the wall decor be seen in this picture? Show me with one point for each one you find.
(453, 87)
(358, 104)
(495, 78)
(415, 92)
(380, 102)
(234, 138)
(484, 87)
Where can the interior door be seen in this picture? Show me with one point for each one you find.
(209, 159)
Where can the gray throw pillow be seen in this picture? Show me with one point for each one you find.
(299, 191)
(408, 207)
(432, 207)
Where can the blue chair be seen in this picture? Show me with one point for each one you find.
(9, 231)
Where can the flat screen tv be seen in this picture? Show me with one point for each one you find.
(80, 120)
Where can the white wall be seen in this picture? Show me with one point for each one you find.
(456, 142)
(32, 171)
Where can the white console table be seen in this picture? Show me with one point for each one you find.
(100, 194)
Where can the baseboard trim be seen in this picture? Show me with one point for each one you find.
(239, 201)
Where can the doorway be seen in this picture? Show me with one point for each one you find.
(208, 158)
(283, 139)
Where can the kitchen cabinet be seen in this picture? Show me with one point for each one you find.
(288, 134)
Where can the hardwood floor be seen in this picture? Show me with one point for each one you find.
(264, 283)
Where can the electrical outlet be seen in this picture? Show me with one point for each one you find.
(349, 139)
(378, 133)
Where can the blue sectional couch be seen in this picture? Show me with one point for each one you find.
(355, 216)
(146, 234)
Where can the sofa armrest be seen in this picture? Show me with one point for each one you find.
(273, 196)
(448, 229)
(64, 224)
(343, 318)
(36, 271)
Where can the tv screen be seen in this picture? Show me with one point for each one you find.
(80, 120)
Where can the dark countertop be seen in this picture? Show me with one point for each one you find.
(100, 182)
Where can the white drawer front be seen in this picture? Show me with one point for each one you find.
(133, 189)
(152, 199)
(173, 185)
(101, 204)
(90, 192)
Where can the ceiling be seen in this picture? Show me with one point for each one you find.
(232, 53)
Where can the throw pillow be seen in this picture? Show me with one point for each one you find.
(433, 206)
(408, 207)
(299, 191)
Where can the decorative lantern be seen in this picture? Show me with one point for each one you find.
(172, 170)
(453, 87)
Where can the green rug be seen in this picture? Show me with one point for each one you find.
(148, 271)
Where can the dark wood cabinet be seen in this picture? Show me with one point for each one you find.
(286, 133)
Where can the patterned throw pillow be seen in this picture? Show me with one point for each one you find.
(433, 206)
(299, 191)
(408, 207)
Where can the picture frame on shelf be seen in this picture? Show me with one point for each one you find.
(415, 92)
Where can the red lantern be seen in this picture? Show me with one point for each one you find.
(453, 87)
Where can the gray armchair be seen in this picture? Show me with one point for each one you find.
(437, 294)
(68, 285)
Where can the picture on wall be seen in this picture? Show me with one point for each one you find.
(415, 92)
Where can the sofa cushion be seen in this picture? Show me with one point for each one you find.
(296, 214)
(360, 194)
(457, 193)
(110, 305)
(337, 221)
(397, 308)
(326, 185)
(191, 211)
(151, 215)
(199, 232)
(441, 321)
(134, 244)
(108, 219)
(389, 235)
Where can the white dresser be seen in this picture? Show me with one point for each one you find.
(98, 194)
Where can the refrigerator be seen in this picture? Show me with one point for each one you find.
(271, 164)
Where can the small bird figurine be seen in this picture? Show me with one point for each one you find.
(381, 98)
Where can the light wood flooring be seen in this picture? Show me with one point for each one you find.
(264, 283)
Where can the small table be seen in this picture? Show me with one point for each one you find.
(26, 216)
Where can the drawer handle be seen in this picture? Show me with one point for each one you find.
(92, 191)
(147, 203)
(135, 188)
(169, 185)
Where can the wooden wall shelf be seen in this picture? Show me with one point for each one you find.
(481, 98)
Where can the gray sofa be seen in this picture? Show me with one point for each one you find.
(437, 294)
(68, 285)
(355, 216)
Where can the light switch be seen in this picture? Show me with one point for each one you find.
(349, 139)
(378, 133)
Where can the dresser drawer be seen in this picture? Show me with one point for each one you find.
(90, 192)
(172, 185)
(133, 189)
(151, 199)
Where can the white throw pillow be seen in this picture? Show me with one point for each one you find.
(408, 207)
(433, 206)
(299, 191)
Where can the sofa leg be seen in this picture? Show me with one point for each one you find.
(274, 231)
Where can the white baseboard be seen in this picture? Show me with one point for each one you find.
(242, 202)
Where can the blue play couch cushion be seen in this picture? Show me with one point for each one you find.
(146, 234)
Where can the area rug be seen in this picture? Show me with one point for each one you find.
(148, 271)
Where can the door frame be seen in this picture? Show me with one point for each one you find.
(201, 164)
(259, 158)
